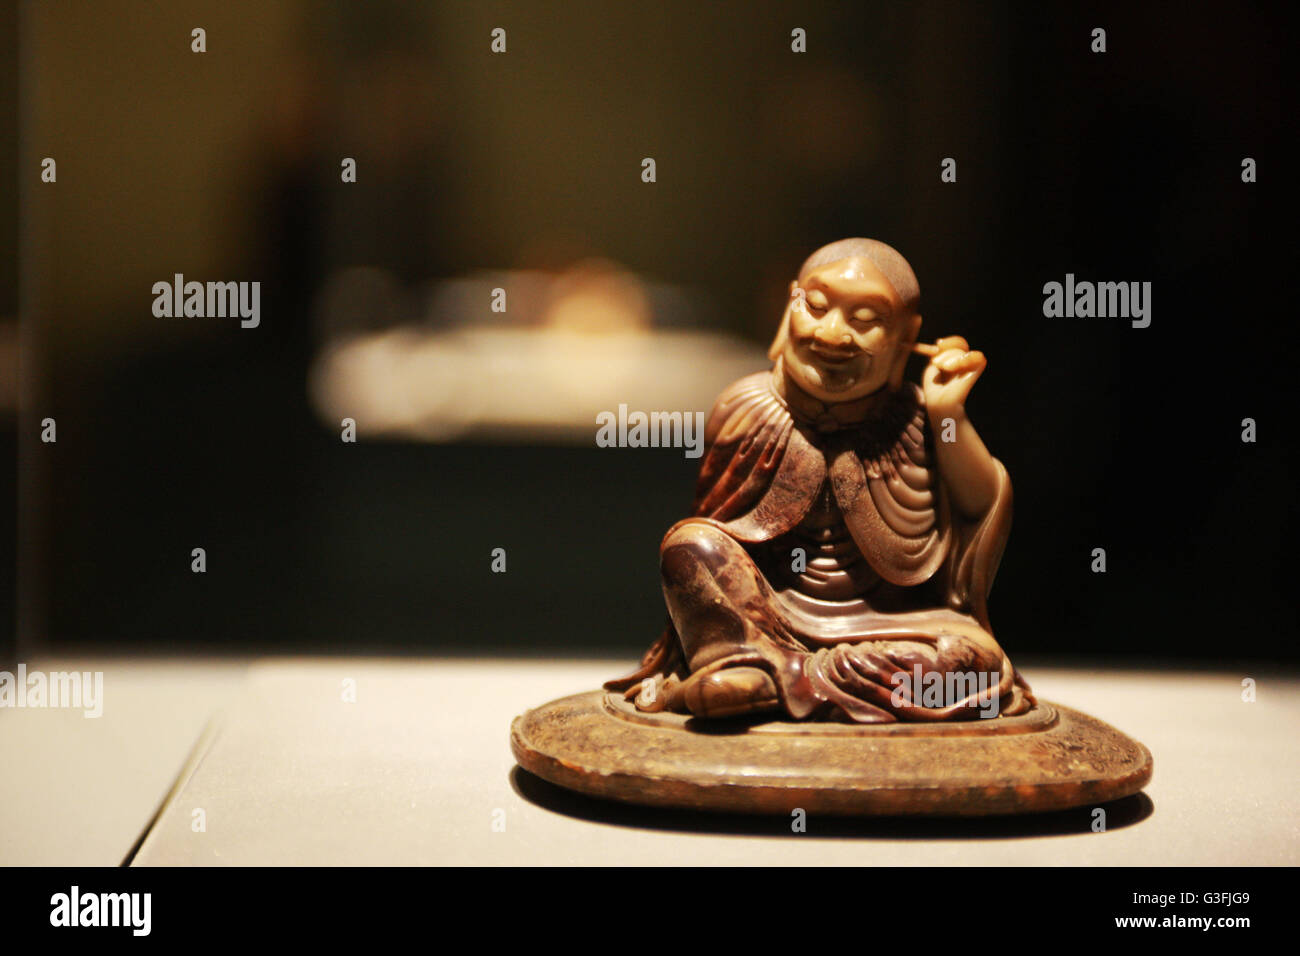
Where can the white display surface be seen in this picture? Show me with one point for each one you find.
(418, 770)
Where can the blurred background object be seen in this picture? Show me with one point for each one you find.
(521, 171)
(568, 346)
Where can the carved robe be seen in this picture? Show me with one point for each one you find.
(898, 584)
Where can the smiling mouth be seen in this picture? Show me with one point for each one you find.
(834, 356)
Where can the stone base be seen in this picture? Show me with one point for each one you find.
(1052, 758)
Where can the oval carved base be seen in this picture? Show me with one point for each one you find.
(1051, 758)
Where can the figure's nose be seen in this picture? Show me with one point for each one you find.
(833, 331)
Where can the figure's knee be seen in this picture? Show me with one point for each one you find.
(707, 581)
(969, 648)
(694, 545)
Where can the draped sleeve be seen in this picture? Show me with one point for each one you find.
(758, 478)
(760, 475)
(978, 552)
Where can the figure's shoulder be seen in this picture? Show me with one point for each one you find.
(739, 400)
(748, 389)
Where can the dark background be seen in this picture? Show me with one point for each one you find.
(171, 435)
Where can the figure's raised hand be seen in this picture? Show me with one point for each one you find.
(951, 374)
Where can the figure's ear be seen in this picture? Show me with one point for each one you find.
(778, 343)
(911, 330)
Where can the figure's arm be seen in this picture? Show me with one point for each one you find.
(968, 470)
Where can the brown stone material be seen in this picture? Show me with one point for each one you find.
(1051, 758)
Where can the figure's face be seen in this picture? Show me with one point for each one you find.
(847, 331)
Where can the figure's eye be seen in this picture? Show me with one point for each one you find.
(867, 316)
(817, 302)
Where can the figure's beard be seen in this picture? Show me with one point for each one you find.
(834, 378)
(839, 379)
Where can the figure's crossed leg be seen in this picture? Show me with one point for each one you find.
(743, 657)
(724, 612)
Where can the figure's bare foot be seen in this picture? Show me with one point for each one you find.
(656, 693)
(731, 691)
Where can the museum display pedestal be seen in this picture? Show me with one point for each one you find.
(419, 771)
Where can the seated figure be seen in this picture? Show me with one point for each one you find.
(847, 523)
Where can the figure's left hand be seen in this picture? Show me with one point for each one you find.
(951, 374)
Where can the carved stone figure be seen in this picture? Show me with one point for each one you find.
(829, 647)
(847, 523)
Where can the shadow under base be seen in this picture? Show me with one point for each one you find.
(1051, 758)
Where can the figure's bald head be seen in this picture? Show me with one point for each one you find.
(851, 321)
(884, 257)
